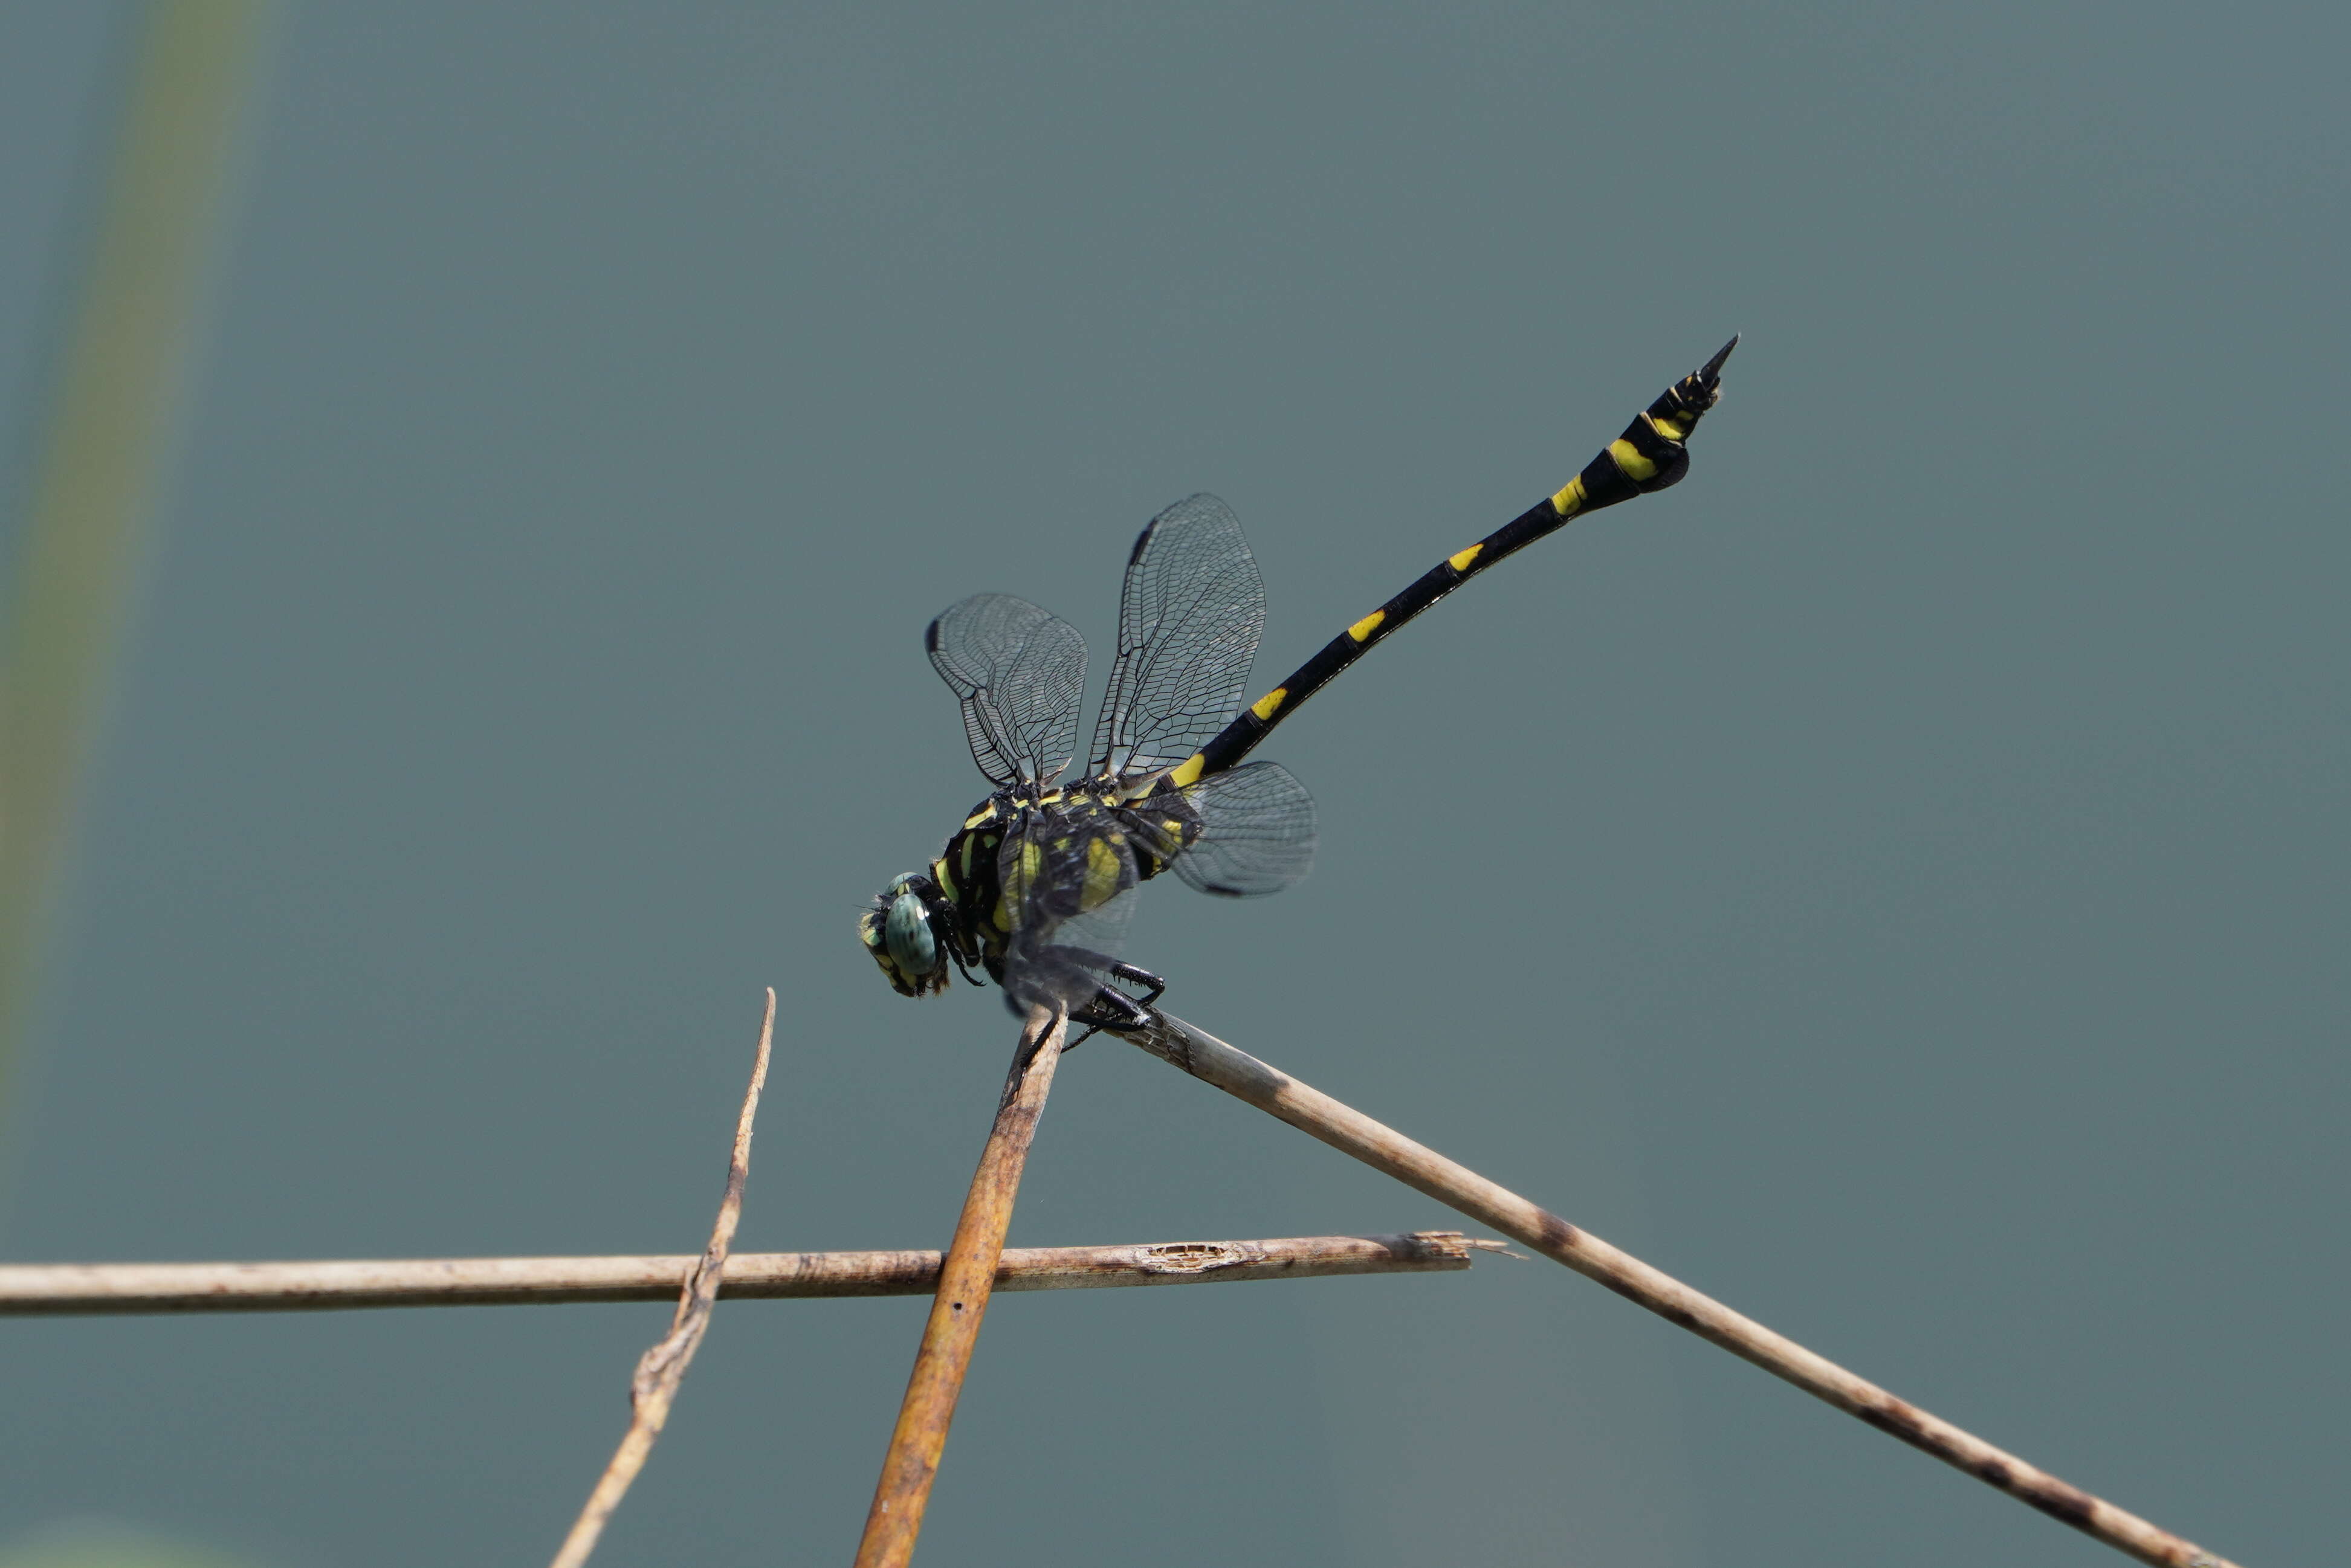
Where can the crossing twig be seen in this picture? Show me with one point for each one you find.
(92, 1290)
(921, 1436)
(661, 1369)
(1351, 1132)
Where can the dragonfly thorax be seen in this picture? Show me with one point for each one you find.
(1102, 835)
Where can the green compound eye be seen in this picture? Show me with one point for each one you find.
(907, 933)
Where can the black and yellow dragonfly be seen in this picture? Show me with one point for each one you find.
(1037, 885)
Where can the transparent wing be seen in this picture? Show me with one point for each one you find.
(1188, 620)
(1019, 671)
(1070, 887)
(1257, 832)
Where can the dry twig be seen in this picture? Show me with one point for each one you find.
(1351, 1132)
(88, 1290)
(921, 1436)
(661, 1369)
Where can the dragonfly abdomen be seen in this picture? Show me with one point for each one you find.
(1650, 456)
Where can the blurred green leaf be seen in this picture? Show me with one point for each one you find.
(101, 1543)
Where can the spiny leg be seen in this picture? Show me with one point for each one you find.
(1154, 987)
(1113, 1009)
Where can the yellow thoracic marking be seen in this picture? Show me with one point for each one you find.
(1032, 861)
(1629, 461)
(1187, 773)
(1362, 629)
(1571, 497)
(1103, 870)
(1459, 560)
(1265, 705)
(982, 815)
(939, 869)
(970, 842)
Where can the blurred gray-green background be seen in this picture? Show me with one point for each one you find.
(1895, 881)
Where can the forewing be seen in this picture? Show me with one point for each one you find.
(1019, 671)
(1188, 620)
(1257, 832)
(1069, 886)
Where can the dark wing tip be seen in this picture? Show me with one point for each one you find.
(1141, 540)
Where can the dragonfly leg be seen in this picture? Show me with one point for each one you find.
(1153, 984)
(1110, 1009)
(1113, 1009)
(1069, 967)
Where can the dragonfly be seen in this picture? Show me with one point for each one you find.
(1036, 888)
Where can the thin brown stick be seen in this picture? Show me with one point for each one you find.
(90, 1289)
(1351, 1132)
(912, 1463)
(661, 1369)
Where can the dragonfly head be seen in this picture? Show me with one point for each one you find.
(907, 933)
